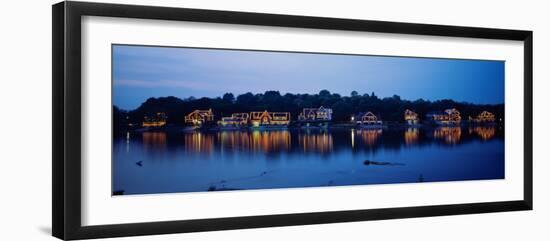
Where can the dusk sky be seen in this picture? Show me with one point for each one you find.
(141, 72)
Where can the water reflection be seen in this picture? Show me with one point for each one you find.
(275, 141)
(369, 137)
(315, 142)
(451, 135)
(411, 136)
(244, 159)
(271, 141)
(485, 132)
(127, 144)
(153, 139)
(236, 140)
(198, 142)
(256, 141)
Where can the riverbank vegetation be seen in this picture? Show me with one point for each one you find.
(390, 109)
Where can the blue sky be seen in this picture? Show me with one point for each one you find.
(141, 72)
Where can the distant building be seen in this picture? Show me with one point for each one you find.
(411, 117)
(447, 117)
(266, 118)
(157, 120)
(316, 114)
(484, 117)
(236, 119)
(199, 117)
(367, 118)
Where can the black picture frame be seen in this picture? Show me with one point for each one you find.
(66, 158)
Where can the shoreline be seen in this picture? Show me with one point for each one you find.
(391, 126)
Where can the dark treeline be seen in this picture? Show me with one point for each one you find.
(389, 108)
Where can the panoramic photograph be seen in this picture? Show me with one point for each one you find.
(207, 120)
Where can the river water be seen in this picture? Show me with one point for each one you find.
(165, 162)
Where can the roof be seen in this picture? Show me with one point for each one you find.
(360, 114)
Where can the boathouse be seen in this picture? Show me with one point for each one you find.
(236, 119)
(368, 118)
(157, 120)
(447, 117)
(199, 117)
(411, 117)
(484, 117)
(266, 118)
(316, 114)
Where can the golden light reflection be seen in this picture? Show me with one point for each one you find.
(451, 135)
(257, 141)
(236, 140)
(484, 132)
(199, 142)
(270, 141)
(317, 142)
(369, 137)
(411, 136)
(154, 139)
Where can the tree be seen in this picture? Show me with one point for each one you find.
(390, 108)
(354, 94)
(272, 94)
(342, 111)
(245, 99)
(228, 97)
(324, 93)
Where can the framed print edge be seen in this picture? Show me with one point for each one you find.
(58, 192)
(66, 123)
(528, 119)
